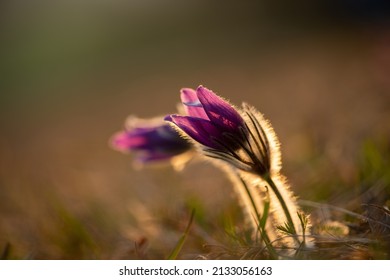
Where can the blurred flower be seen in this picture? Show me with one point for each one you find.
(150, 140)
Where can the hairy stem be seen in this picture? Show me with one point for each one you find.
(282, 202)
(262, 230)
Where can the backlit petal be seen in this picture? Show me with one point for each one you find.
(219, 111)
(202, 131)
(191, 104)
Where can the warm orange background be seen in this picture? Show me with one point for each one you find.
(72, 71)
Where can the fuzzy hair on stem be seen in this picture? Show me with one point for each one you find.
(244, 143)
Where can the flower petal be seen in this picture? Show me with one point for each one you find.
(192, 105)
(219, 111)
(125, 141)
(156, 142)
(202, 131)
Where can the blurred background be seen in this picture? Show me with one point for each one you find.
(72, 71)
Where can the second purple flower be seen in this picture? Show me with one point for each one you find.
(151, 140)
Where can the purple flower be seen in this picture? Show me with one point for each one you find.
(150, 140)
(243, 139)
(210, 120)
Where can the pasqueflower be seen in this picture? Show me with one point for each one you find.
(224, 132)
(150, 140)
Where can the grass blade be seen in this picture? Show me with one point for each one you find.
(182, 239)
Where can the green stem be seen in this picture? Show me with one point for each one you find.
(263, 232)
(275, 189)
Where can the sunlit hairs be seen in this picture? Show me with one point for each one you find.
(243, 143)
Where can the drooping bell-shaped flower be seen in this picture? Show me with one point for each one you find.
(150, 140)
